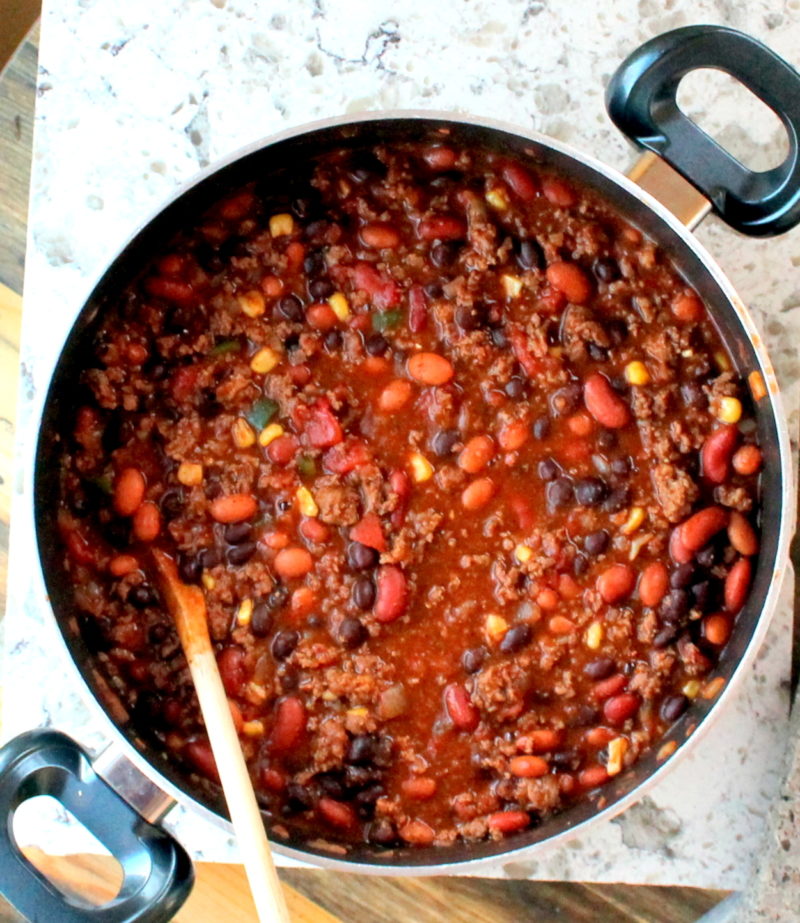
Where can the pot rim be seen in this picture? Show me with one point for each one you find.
(786, 526)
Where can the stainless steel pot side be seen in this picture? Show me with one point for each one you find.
(141, 774)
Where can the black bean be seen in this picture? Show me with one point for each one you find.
(673, 707)
(617, 329)
(568, 760)
(541, 427)
(117, 532)
(284, 643)
(189, 568)
(606, 269)
(529, 254)
(473, 659)
(548, 469)
(305, 206)
(499, 338)
(665, 636)
(364, 165)
(445, 253)
(158, 633)
(601, 668)
(330, 784)
(596, 353)
(559, 492)
(469, 317)
(692, 394)
(209, 407)
(582, 716)
(565, 400)
(382, 833)
(352, 633)
(617, 498)
(376, 344)
(366, 798)
(210, 557)
(702, 595)
(363, 592)
(237, 532)
(621, 465)
(356, 777)
(382, 753)
(444, 441)
(314, 263)
(278, 597)
(291, 308)
(606, 439)
(298, 797)
(589, 491)
(317, 231)
(172, 503)
(707, 557)
(515, 388)
(433, 290)
(241, 553)
(320, 289)
(333, 340)
(674, 606)
(596, 542)
(361, 749)
(516, 638)
(360, 557)
(681, 576)
(580, 565)
(141, 596)
(261, 620)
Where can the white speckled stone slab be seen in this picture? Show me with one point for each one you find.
(134, 98)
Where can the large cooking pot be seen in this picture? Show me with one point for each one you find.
(122, 794)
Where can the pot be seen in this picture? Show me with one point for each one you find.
(123, 793)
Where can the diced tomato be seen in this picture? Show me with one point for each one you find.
(400, 483)
(184, 382)
(78, 546)
(523, 510)
(321, 428)
(346, 457)
(369, 532)
(417, 309)
(383, 291)
(171, 290)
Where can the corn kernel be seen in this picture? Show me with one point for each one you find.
(667, 750)
(730, 410)
(757, 387)
(252, 303)
(522, 553)
(496, 627)
(254, 728)
(269, 434)
(635, 519)
(190, 474)
(636, 373)
(722, 360)
(281, 225)
(691, 689)
(328, 696)
(245, 612)
(264, 360)
(512, 285)
(305, 501)
(616, 753)
(339, 305)
(637, 544)
(358, 711)
(255, 693)
(594, 636)
(421, 468)
(208, 581)
(713, 687)
(498, 198)
(242, 432)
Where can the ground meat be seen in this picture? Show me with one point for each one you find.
(501, 688)
(675, 490)
(579, 328)
(338, 504)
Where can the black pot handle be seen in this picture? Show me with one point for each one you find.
(158, 872)
(641, 100)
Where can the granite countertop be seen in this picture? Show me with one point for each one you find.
(135, 98)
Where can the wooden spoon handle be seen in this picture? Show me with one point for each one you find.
(187, 605)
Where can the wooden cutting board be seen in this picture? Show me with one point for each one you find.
(221, 890)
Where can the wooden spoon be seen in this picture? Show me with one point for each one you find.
(187, 605)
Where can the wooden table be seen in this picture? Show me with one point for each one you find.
(221, 890)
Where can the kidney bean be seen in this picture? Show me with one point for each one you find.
(352, 633)
(129, 489)
(570, 280)
(233, 507)
(477, 494)
(476, 454)
(417, 833)
(122, 564)
(653, 584)
(601, 668)
(605, 688)
(293, 562)
(201, 756)
(463, 713)
(737, 584)
(688, 308)
(513, 435)
(540, 740)
(380, 235)
(290, 725)
(592, 776)
(717, 452)
(321, 317)
(679, 552)
(747, 460)
(507, 822)
(699, 529)
(516, 638)
(282, 450)
(392, 593)
(716, 629)
(442, 227)
(603, 402)
(598, 737)
(521, 180)
(616, 583)
(557, 191)
(430, 368)
(439, 157)
(336, 813)
(618, 709)
(147, 522)
(419, 788)
(232, 670)
(742, 535)
(394, 396)
(528, 767)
